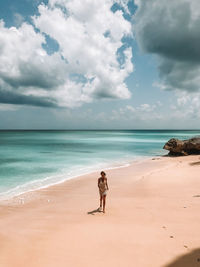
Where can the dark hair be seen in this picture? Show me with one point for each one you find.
(103, 173)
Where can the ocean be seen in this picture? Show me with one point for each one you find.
(30, 160)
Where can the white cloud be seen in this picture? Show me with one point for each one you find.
(80, 33)
(146, 107)
(143, 112)
(124, 4)
(184, 112)
(85, 67)
(28, 74)
(187, 106)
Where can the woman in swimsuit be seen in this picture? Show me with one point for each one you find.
(103, 187)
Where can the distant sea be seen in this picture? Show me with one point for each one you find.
(31, 160)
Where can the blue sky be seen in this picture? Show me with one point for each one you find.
(71, 64)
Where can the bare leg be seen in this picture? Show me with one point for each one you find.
(104, 203)
(101, 201)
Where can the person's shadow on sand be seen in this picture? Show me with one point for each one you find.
(191, 259)
(94, 211)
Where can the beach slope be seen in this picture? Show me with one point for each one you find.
(152, 219)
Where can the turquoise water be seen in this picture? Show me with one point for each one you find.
(33, 159)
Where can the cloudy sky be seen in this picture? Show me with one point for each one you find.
(90, 64)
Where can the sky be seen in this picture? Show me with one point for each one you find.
(109, 64)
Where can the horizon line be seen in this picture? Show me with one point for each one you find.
(144, 129)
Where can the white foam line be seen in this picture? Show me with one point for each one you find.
(13, 192)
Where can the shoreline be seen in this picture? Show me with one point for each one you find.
(152, 219)
(8, 199)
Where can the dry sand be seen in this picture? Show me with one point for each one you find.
(152, 219)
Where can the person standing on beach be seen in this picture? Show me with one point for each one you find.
(103, 187)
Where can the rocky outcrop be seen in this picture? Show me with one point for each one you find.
(178, 147)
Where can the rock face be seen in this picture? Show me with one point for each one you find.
(178, 147)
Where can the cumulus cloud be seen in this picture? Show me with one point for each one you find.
(27, 72)
(143, 112)
(183, 111)
(86, 65)
(187, 106)
(171, 30)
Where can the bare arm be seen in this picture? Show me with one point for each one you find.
(107, 183)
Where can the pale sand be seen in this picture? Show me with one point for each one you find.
(152, 218)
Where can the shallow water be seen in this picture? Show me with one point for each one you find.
(33, 159)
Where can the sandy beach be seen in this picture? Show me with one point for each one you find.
(152, 219)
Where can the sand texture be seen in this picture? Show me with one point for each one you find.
(152, 219)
